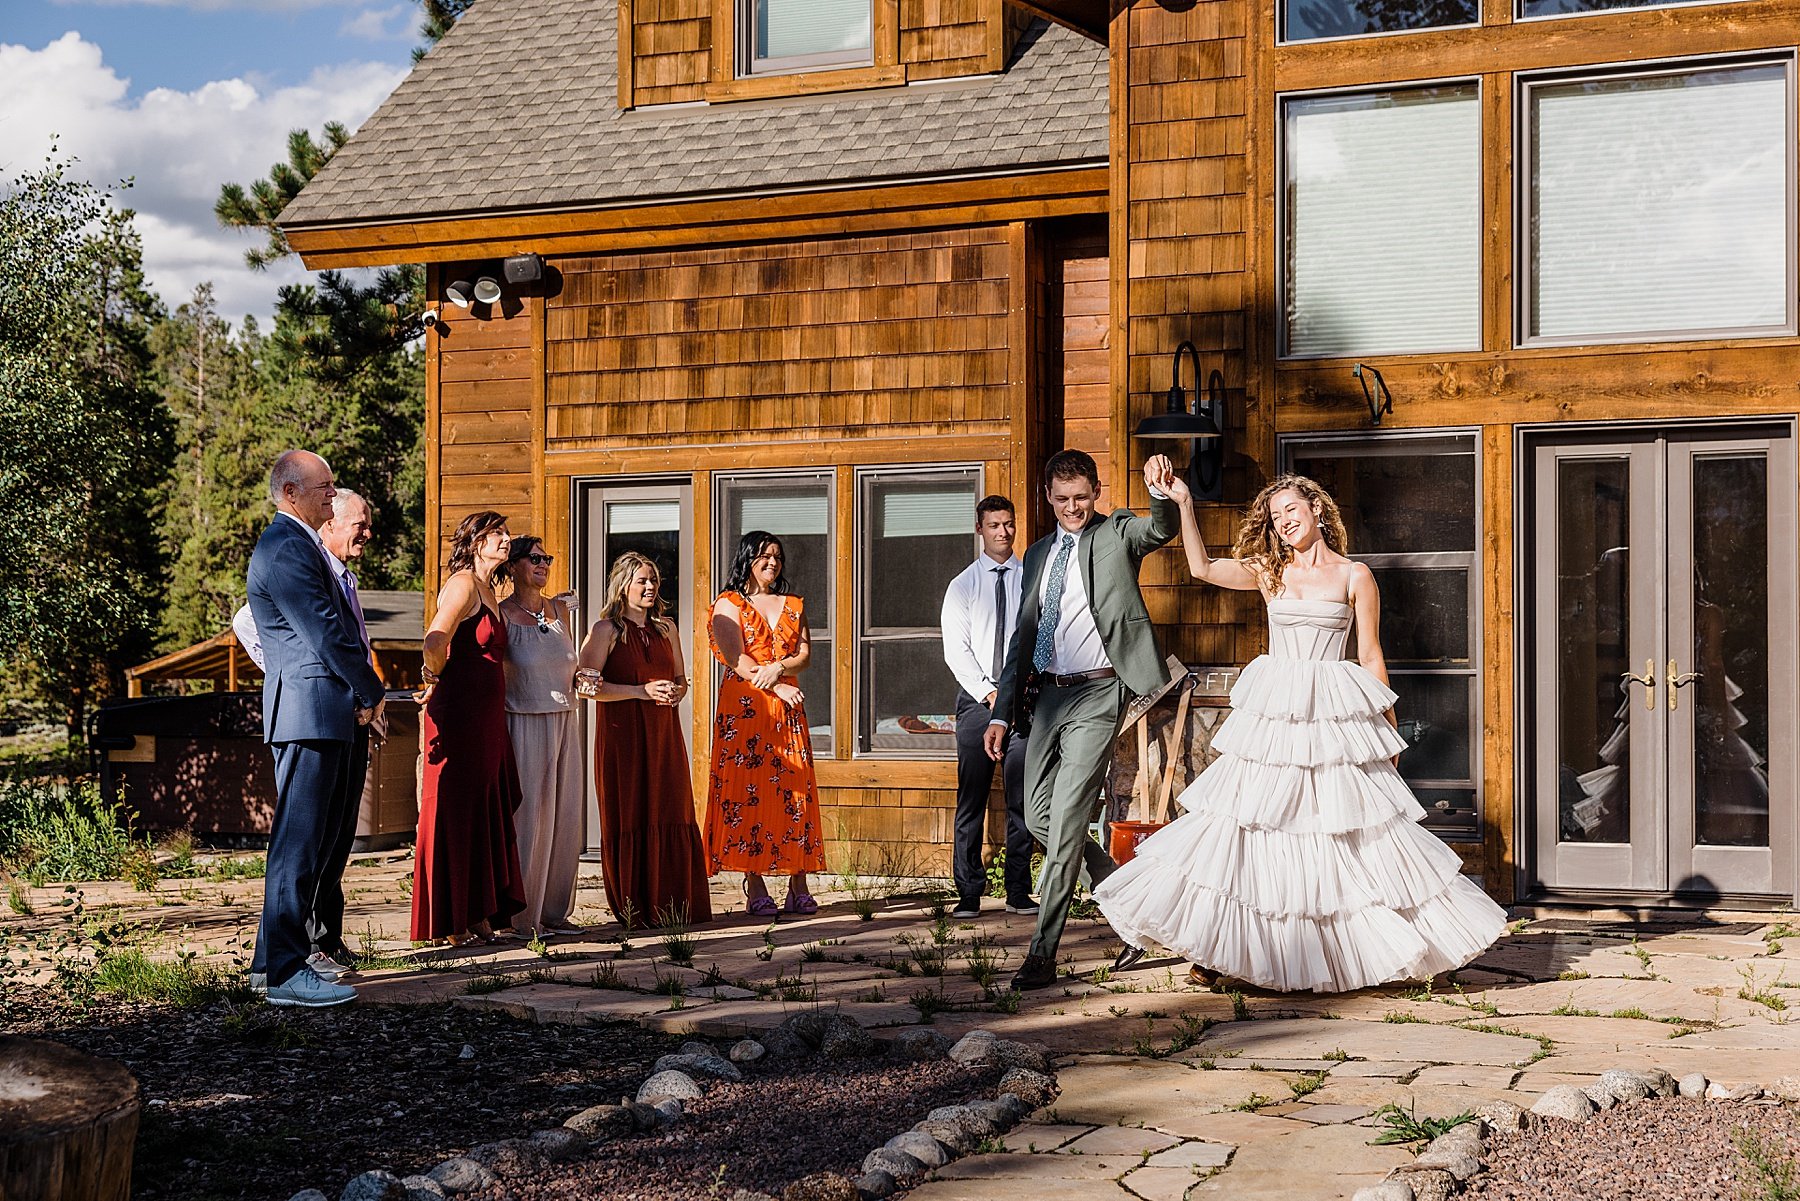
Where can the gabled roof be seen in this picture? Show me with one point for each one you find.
(517, 110)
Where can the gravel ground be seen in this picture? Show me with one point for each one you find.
(762, 1134)
(1671, 1150)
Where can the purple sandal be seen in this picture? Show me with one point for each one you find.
(801, 902)
(763, 906)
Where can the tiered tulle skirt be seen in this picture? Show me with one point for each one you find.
(1300, 863)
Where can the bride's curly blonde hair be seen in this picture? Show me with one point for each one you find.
(1264, 551)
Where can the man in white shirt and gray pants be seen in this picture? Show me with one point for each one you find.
(981, 610)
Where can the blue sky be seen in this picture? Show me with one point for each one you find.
(183, 95)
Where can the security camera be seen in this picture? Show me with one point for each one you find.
(430, 319)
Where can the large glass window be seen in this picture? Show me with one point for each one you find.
(798, 35)
(1381, 221)
(1565, 8)
(915, 533)
(1411, 508)
(1305, 20)
(797, 509)
(1659, 206)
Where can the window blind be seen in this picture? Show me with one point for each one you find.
(1660, 203)
(794, 516)
(1383, 215)
(796, 28)
(643, 517)
(921, 514)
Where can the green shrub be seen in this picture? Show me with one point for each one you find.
(52, 832)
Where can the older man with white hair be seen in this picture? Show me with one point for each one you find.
(320, 693)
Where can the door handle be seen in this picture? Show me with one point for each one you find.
(1648, 680)
(1679, 679)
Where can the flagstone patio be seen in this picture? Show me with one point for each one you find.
(1168, 1091)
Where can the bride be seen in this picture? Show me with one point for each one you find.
(1299, 863)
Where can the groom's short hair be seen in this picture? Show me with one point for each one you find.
(1072, 465)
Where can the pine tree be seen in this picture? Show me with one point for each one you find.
(440, 17)
(260, 207)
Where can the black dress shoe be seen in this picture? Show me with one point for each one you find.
(1037, 971)
(1129, 957)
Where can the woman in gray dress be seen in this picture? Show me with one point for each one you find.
(546, 738)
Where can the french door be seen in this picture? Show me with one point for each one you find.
(656, 520)
(1661, 649)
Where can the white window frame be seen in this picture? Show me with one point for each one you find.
(1282, 218)
(1523, 203)
(861, 636)
(749, 65)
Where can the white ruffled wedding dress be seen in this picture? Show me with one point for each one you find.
(1300, 863)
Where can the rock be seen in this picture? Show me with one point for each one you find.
(974, 1047)
(1627, 1085)
(558, 1144)
(1602, 1099)
(1565, 1101)
(1016, 1109)
(1459, 1140)
(467, 1052)
(601, 1123)
(1661, 1083)
(797, 1036)
(1431, 1184)
(1501, 1116)
(1032, 1087)
(1717, 1091)
(663, 1085)
(1459, 1164)
(422, 1188)
(709, 1064)
(952, 1135)
(643, 1117)
(374, 1186)
(746, 1050)
(1388, 1190)
(1786, 1087)
(844, 1039)
(874, 1185)
(897, 1164)
(920, 1044)
(1011, 1054)
(309, 1194)
(669, 1108)
(750, 1194)
(1692, 1085)
(508, 1157)
(461, 1175)
(1000, 1115)
(978, 1126)
(691, 1047)
(821, 1186)
(921, 1147)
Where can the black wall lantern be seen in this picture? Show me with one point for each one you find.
(1204, 423)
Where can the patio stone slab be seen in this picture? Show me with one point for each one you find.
(1159, 1184)
(1310, 1038)
(1202, 1156)
(1471, 1075)
(1153, 1092)
(1120, 1140)
(1315, 1163)
(1229, 1127)
(1333, 1115)
(1375, 1068)
(1088, 1169)
(1039, 1137)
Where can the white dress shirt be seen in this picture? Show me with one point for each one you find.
(1078, 647)
(243, 622)
(968, 621)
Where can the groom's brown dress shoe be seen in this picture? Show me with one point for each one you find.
(1038, 971)
(1202, 978)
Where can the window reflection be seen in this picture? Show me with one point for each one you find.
(1305, 20)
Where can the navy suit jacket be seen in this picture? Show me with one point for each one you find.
(316, 675)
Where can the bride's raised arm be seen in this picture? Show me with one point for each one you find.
(1224, 573)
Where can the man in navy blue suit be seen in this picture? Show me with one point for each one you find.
(318, 689)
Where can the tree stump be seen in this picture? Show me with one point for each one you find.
(67, 1124)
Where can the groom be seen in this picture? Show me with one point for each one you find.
(1085, 635)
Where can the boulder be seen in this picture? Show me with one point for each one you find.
(1501, 1116)
(1603, 1099)
(974, 1047)
(709, 1064)
(423, 1188)
(643, 1117)
(746, 1050)
(821, 1186)
(1626, 1085)
(1692, 1085)
(1002, 1116)
(956, 1139)
(667, 1084)
(897, 1164)
(1459, 1140)
(978, 1126)
(844, 1039)
(872, 1186)
(1387, 1190)
(1459, 1164)
(374, 1186)
(1432, 1184)
(462, 1175)
(1718, 1091)
(601, 1123)
(1661, 1083)
(558, 1144)
(1011, 1054)
(1564, 1101)
(669, 1110)
(1032, 1087)
(921, 1147)
(508, 1157)
(1016, 1109)
(920, 1044)
(1786, 1087)
(309, 1194)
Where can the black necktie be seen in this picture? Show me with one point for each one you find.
(999, 622)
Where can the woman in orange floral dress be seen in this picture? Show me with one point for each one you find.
(762, 804)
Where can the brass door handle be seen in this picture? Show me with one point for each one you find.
(1648, 680)
(1679, 679)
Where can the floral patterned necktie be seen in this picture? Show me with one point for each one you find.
(1047, 622)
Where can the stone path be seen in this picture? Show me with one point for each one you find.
(1168, 1091)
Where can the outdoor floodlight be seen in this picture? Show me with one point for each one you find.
(461, 293)
(487, 289)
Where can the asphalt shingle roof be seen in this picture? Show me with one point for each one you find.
(517, 109)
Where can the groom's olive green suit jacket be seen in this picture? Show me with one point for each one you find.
(1111, 550)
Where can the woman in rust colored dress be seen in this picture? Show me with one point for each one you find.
(762, 805)
(650, 860)
(466, 878)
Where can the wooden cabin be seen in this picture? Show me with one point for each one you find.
(1516, 279)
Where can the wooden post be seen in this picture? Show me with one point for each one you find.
(67, 1123)
(1177, 747)
(231, 668)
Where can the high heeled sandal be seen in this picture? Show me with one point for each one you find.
(801, 903)
(763, 906)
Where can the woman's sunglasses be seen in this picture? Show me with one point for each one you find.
(541, 560)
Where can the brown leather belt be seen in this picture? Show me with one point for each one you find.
(1082, 677)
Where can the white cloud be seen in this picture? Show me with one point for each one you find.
(260, 6)
(391, 24)
(178, 147)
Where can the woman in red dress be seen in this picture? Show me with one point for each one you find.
(466, 878)
(762, 805)
(631, 662)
